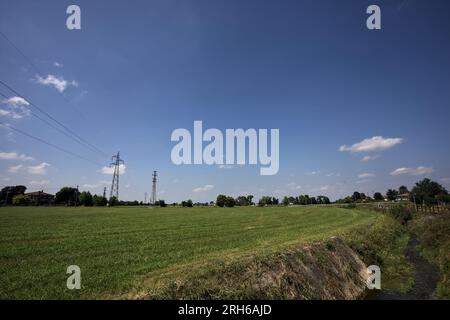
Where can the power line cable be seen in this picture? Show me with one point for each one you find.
(49, 124)
(48, 143)
(87, 144)
(37, 70)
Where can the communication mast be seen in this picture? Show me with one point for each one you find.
(114, 192)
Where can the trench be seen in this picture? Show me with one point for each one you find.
(426, 277)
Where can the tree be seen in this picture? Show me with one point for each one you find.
(265, 201)
(7, 193)
(67, 196)
(229, 202)
(187, 203)
(221, 199)
(86, 199)
(356, 196)
(304, 199)
(286, 201)
(160, 203)
(293, 200)
(323, 200)
(21, 200)
(250, 199)
(243, 201)
(99, 201)
(428, 191)
(377, 196)
(113, 201)
(391, 194)
(403, 190)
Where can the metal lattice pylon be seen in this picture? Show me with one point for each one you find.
(153, 197)
(114, 192)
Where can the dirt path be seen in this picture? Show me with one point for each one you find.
(426, 276)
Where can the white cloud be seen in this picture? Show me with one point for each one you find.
(204, 188)
(377, 143)
(17, 108)
(39, 182)
(324, 188)
(412, 171)
(57, 64)
(294, 186)
(313, 173)
(366, 175)
(370, 158)
(445, 179)
(15, 169)
(17, 101)
(90, 186)
(59, 83)
(110, 170)
(40, 169)
(14, 156)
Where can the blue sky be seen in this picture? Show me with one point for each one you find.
(138, 70)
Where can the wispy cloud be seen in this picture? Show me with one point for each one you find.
(110, 170)
(204, 188)
(39, 182)
(412, 171)
(90, 186)
(294, 186)
(14, 156)
(59, 83)
(377, 143)
(57, 64)
(15, 169)
(366, 175)
(40, 169)
(370, 158)
(16, 108)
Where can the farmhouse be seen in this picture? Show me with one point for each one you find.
(40, 198)
(402, 197)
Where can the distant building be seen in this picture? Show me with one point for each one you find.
(41, 198)
(403, 197)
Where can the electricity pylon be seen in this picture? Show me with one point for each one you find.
(114, 192)
(153, 197)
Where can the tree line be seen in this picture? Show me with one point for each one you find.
(425, 191)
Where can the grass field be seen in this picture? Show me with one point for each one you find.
(118, 249)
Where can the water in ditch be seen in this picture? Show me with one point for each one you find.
(426, 276)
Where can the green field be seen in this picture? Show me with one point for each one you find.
(119, 249)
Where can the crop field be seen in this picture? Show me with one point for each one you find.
(119, 248)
